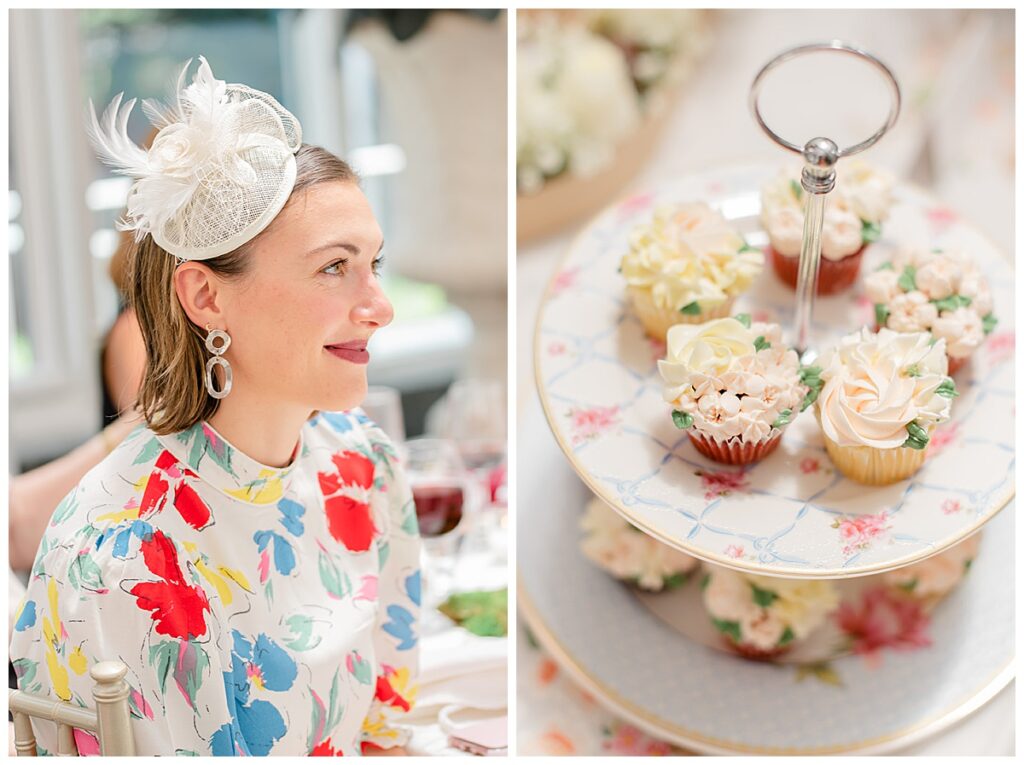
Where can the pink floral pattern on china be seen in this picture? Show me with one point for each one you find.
(722, 483)
(635, 470)
(858, 533)
(630, 740)
(557, 348)
(883, 619)
(951, 506)
(588, 424)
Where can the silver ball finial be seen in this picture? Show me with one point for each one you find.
(822, 153)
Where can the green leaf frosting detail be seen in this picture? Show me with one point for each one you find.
(763, 598)
(870, 232)
(691, 309)
(732, 629)
(760, 343)
(908, 586)
(914, 370)
(797, 189)
(810, 376)
(886, 266)
(705, 581)
(748, 248)
(917, 436)
(988, 323)
(675, 581)
(787, 637)
(784, 418)
(743, 318)
(881, 314)
(906, 281)
(682, 420)
(952, 302)
(947, 388)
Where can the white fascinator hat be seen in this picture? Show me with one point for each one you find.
(219, 170)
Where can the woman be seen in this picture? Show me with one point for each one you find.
(251, 555)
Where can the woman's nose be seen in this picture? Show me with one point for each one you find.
(374, 309)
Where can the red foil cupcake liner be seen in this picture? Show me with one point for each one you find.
(833, 275)
(735, 451)
(754, 653)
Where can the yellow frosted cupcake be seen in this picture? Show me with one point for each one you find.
(882, 396)
(686, 267)
(760, 617)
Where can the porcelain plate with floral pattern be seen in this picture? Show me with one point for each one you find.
(791, 514)
(904, 685)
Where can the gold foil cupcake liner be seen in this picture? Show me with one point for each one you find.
(657, 321)
(875, 467)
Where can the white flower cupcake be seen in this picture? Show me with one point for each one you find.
(941, 292)
(882, 396)
(935, 577)
(686, 266)
(760, 617)
(734, 386)
(854, 212)
(628, 553)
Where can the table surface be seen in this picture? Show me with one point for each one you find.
(948, 110)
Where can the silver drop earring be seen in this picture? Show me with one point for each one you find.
(217, 360)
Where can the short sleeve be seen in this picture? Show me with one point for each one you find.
(85, 605)
(396, 631)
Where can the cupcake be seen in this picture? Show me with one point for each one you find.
(936, 576)
(629, 554)
(937, 291)
(854, 212)
(734, 386)
(685, 267)
(760, 617)
(883, 394)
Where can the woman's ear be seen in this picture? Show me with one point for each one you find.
(198, 291)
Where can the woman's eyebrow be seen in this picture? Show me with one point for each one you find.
(343, 245)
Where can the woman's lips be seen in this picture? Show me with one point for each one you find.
(353, 352)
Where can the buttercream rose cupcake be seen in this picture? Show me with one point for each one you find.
(761, 617)
(936, 291)
(628, 553)
(686, 266)
(883, 394)
(734, 386)
(854, 212)
(936, 576)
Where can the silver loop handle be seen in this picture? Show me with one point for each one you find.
(841, 47)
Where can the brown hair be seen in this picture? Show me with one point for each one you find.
(172, 396)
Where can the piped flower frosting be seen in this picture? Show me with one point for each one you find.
(690, 258)
(884, 390)
(732, 377)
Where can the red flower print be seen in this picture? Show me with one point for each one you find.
(388, 695)
(951, 506)
(630, 740)
(348, 520)
(857, 532)
(590, 423)
(1000, 346)
(721, 484)
(883, 619)
(734, 551)
(941, 217)
(564, 280)
(556, 348)
(324, 749)
(809, 465)
(176, 605)
(186, 501)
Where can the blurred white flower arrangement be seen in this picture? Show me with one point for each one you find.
(585, 81)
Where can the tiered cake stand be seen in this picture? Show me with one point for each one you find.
(791, 515)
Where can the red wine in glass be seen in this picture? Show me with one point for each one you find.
(438, 508)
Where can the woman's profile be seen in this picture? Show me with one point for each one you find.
(251, 553)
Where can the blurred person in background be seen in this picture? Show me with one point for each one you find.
(249, 543)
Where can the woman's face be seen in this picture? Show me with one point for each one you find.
(300, 319)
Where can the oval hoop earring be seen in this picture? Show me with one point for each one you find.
(217, 360)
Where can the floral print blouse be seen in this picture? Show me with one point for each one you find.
(259, 610)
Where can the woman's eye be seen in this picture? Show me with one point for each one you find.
(378, 264)
(337, 268)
